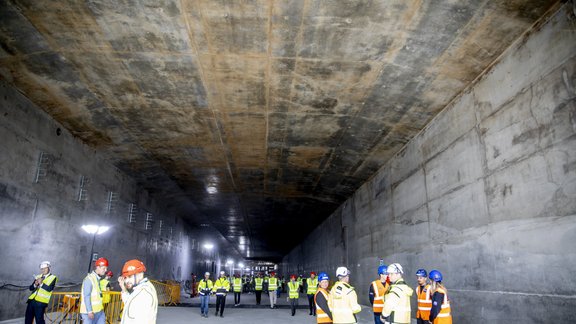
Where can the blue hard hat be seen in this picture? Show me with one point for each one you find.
(422, 273)
(382, 269)
(436, 275)
(323, 276)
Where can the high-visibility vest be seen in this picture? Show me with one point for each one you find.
(40, 294)
(95, 295)
(205, 286)
(379, 291)
(312, 285)
(293, 290)
(445, 315)
(237, 285)
(400, 311)
(343, 303)
(104, 290)
(221, 287)
(424, 302)
(321, 316)
(272, 284)
(259, 282)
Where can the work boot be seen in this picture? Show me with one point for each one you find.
(221, 315)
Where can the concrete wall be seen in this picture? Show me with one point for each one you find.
(486, 193)
(40, 220)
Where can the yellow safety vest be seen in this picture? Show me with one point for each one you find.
(221, 286)
(237, 285)
(204, 287)
(343, 302)
(259, 282)
(293, 290)
(104, 290)
(273, 284)
(95, 295)
(40, 294)
(312, 285)
(397, 302)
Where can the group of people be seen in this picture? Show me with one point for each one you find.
(138, 294)
(389, 295)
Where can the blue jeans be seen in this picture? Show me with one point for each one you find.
(204, 300)
(377, 318)
(99, 318)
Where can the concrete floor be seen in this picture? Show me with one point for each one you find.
(246, 312)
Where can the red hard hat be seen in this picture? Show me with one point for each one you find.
(110, 273)
(293, 277)
(101, 262)
(312, 273)
(273, 273)
(133, 267)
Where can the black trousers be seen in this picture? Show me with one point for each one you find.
(258, 296)
(35, 310)
(220, 303)
(293, 305)
(237, 298)
(311, 305)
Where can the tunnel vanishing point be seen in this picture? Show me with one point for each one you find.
(304, 134)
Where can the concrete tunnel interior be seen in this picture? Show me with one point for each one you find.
(302, 135)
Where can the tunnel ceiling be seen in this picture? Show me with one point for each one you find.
(256, 117)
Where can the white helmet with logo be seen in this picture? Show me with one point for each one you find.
(342, 272)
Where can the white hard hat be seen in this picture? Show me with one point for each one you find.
(395, 268)
(342, 272)
(45, 264)
(206, 273)
(222, 273)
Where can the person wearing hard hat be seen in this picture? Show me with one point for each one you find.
(221, 288)
(343, 300)
(105, 288)
(237, 287)
(293, 287)
(311, 287)
(204, 289)
(440, 313)
(397, 301)
(91, 304)
(138, 294)
(378, 289)
(258, 284)
(323, 313)
(423, 297)
(272, 286)
(38, 300)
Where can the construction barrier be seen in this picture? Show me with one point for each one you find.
(168, 292)
(64, 307)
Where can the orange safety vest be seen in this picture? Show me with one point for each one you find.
(379, 292)
(445, 316)
(321, 316)
(424, 302)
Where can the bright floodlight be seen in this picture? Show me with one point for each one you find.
(240, 265)
(95, 229)
(229, 262)
(208, 246)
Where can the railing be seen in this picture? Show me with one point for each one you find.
(64, 307)
(168, 292)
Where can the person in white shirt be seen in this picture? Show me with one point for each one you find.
(138, 294)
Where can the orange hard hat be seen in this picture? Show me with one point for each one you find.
(133, 267)
(101, 262)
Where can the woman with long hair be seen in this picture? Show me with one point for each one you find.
(440, 312)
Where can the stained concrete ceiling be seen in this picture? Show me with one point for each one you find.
(255, 117)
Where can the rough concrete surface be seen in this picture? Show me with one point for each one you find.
(485, 193)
